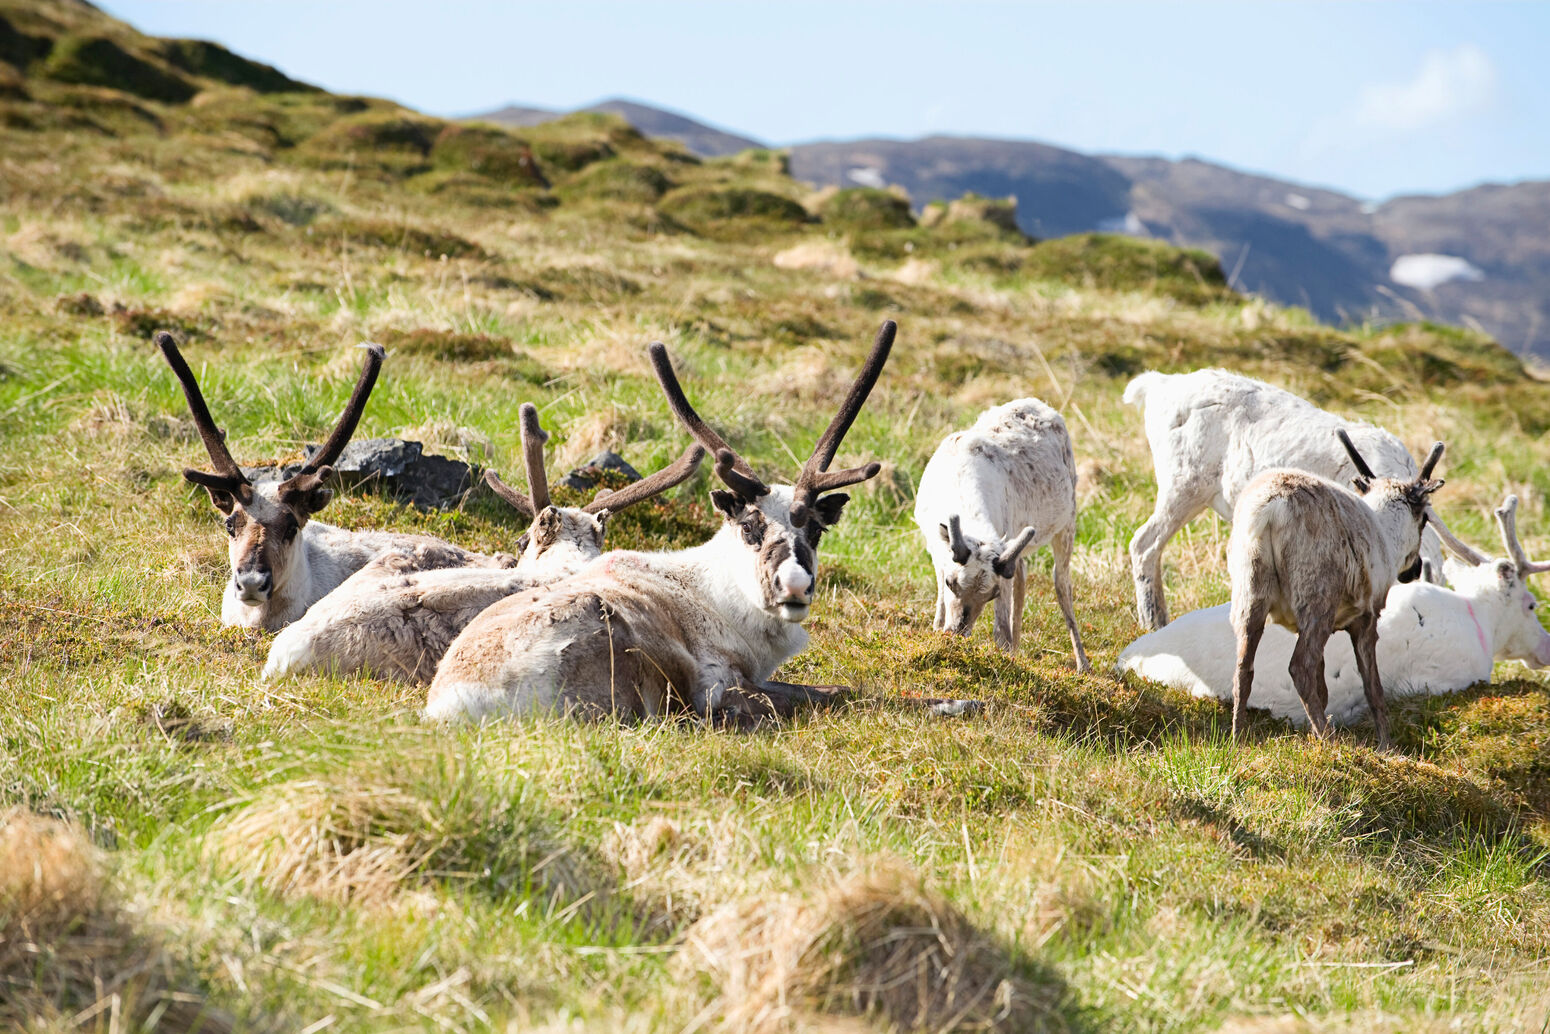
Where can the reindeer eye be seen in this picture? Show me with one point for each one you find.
(288, 529)
(752, 534)
(231, 525)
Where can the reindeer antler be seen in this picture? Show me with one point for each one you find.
(678, 472)
(533, 439)
(1356, 458)
(1459, 548)
(329, 451)
(733, 471)
(1431, 462)
(1507, 519)
(228, 477)
(814, 479)
(320, 465)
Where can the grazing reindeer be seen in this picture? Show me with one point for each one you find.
(988, 497)
(1320, 558)
(282, 561)
(632, 633)
(1431, 640)
(396, 617)
(1211, 433)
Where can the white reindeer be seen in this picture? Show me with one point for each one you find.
(283, 561)
(1211, 433)
(988, 497)
(397, 615)
(1431, 640)
(1319, 558)
(633, 634)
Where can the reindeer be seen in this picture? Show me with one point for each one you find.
(283, 561)
(633, 634)
(1320, 558)
(1431, 639)
(1010, 480)
(396, 617)
(1211, 433)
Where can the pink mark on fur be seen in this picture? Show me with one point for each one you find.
(1480, 632)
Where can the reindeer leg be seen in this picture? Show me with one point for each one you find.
(1364, 640)
(941, 606)
(1248, 627)
(1174, 510)
(1307, 671)
(1064, 543)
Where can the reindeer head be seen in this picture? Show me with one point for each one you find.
(265, 521)
(778, 528)
(1382, 493)
(973, 577)
(563, 537)
(1527, 640)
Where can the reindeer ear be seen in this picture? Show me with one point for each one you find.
(311, 500)
(306, 493)
(1506, 573)
(523, 541)
(224, 501)
(730, 504)
(831, 507)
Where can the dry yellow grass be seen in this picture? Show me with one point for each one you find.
(69, 955)
(875, 943)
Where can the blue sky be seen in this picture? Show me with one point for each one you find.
(1372, 98)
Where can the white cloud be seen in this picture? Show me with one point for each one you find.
(1448, 84)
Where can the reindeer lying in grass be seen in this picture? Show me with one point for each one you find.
(396, 616)
(283, 561)
(1431, 640)
(1320, 558)
(989, 496)
(1211, 433)
(632, 634)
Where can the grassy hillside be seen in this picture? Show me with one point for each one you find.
(1090, 854)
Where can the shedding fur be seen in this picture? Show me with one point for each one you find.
(1211, 433)
(1319, 558)
(397, 616)
(988, 497)
(1432, 640)
(636, 635)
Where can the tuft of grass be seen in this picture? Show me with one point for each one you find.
(876, 943)
(69, 953)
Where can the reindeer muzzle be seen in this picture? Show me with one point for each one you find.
(253, 587)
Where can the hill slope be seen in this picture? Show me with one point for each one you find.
(1088, 854)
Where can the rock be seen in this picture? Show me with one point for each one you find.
(590, 473)
(400, 467)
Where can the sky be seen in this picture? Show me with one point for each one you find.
(1375, 98)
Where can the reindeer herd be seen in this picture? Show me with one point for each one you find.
(1332, 524)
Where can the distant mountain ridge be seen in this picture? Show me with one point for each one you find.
(1477, 257)
(704, 140)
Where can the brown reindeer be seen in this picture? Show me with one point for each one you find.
(635, 634)
(1319, 558)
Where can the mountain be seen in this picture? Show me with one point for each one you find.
(704, 140)
(1478, 257)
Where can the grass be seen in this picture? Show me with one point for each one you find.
(310, 854)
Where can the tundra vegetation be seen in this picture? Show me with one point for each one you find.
(1088, 853)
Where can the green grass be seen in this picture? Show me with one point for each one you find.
(1102, 833)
